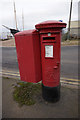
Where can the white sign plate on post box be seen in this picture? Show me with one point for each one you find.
(49, 51)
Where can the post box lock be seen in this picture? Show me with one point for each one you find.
(55, 67)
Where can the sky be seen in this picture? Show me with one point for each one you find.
(35, 11)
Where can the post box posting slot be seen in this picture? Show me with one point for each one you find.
(49, 39)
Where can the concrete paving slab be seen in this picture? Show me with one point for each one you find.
(67, 107)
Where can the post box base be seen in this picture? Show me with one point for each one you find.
(51, 94)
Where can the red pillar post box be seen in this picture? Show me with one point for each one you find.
(50, 38)
(28, 54)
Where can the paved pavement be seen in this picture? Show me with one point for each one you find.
(67, 107)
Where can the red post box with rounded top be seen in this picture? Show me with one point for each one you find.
(50, 39)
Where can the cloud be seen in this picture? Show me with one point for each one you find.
(36, 11)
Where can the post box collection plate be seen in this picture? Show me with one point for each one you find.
(49, 51)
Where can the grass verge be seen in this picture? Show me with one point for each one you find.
(24, 93)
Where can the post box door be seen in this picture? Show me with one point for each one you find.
(50, 49)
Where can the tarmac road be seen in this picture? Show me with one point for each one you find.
(69, 60)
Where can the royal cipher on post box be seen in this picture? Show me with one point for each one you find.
(38, 53)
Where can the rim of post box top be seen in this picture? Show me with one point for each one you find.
(50, 24)
(26, 32)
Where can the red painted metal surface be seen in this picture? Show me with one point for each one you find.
(50, 37)
(50, 24)
(28, 54)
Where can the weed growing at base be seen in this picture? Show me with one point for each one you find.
(24, 93)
